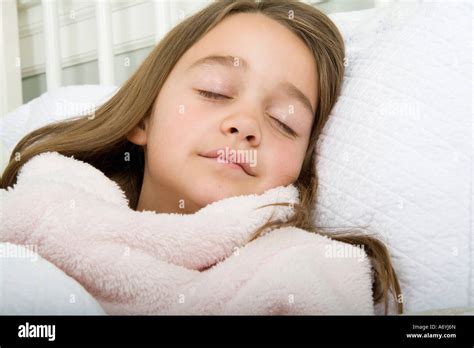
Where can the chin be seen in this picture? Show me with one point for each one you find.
(204, 194)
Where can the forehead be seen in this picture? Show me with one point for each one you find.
(260, 45)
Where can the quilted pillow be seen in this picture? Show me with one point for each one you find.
(395, 156)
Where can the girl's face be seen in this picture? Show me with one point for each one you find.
(255, 95)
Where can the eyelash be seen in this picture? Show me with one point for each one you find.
(217, 96)
(212, 95)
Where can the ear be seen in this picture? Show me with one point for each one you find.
(138, 134)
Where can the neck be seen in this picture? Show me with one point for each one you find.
(160, 199)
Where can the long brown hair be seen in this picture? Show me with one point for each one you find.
(101, 138)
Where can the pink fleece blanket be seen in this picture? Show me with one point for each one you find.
(203, 263)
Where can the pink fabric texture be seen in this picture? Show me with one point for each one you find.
(202, 263)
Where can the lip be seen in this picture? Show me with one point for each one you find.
(213, 154)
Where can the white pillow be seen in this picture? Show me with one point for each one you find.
(59, 104)
(395, 155)
(31, 285)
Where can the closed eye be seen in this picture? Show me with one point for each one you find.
(284, 127)
(212, 95)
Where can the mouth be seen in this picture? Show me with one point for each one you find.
(240, 166)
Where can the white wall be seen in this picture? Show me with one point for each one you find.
(10, 63)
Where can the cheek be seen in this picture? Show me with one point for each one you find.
(284, 163)
(175, 121)
(175, 133)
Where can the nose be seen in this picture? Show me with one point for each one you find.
(243, 128)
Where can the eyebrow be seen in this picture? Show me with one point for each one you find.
(288, 88)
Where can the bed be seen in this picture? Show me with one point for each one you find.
(394, 159)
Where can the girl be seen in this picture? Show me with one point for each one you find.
(255, 76)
